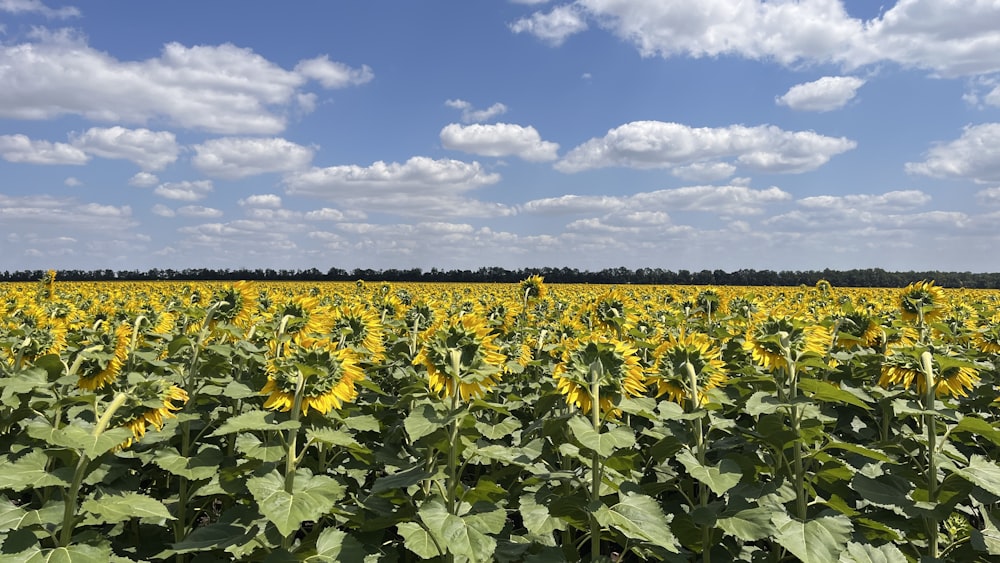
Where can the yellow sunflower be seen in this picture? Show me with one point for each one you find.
(902, 367)
(302, 318)
(359, 327)
(617, 362)
(769, 340)
(329, 377)
(669, 368)
(150, 402)
(235, 305)
(101, 366)
(533, 288)
(468, 341)
(922, 300)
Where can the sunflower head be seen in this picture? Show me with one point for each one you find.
(613, 361)
(922, 301)
(360, 328)
(614, 310)
(461, 353)
(302, 317)
(670, 368)
(329, 376)
(150, 402)
(771, 341)
(533, 288)
(234, 304)
(952, 378)
(103, 356)
(858, 329)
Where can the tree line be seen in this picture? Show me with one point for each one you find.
(869, 277)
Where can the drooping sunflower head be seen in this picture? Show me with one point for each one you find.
(301, 317)
(329, 377)
(922, 300)
(986, 337)
(420, 315)
(771, 341)
(359, 327)
(150, 403)
(670, 368)
(466, 344)
(708, 302)
(533, 288)
(858, 329)
(104, 354)
(615, 364)
(234, 304)
(613, 310)
(952, 377)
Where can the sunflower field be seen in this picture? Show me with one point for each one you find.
(200, 422)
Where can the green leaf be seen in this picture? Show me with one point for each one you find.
(212, 536)
(237, 390)
(117, 508)
(363, 423)
(78, 438)
(487, 522)
(335, 545)
(203, 465)
(28, 472)
(252, 447)
(604, 443)
(978, 427)
(464, 539)
(867, 553)
(762, 402)
(538, 520)
(854, 448)
(829, 393)
(719, 478)
(423, 421)
(13, 517)
(80, 553)
(418, 540)
(312, 496)
(401, 479)
(254, 420)
(503, 428)
(819, 540)
(639, 517)
(983, 473)
(750, 524)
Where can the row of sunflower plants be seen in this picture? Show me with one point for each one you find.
(507, 422)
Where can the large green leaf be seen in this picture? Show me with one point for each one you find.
(639, 517)
(719, 478)
(867, 553)
(13, 517)
(401, 479)
(749, 524)
(117, 508)
(418, 540)
(335, 545)
(79, 438)
(80, 553)
(312, 496)
(982, 472)
(500, 429)
(28, 472)
(604, 443)
(829, 393)
(424, 420)
(979, 427)
(252, 447)
(855, 448)
(455, 534)
(254, 420)
(203, 465)
(538, 520)
(820, 540)
(212, 536)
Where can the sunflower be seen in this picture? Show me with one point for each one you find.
(234, 305)
(768, 341)
(468, 341)
(858, 329)
(617, 362)
(151, 402)
(104, 359)
(614, 310)
(669, 369)
(986, 338)
(902, 366)
(302, 318)
(359, 327)
(533, 288)
(329, 375)
(922, 301)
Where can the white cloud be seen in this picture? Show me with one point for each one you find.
(36, 6)
(573, 204)
(199, 211)
(332, 74)
(143, 180)
(72, 182)
(21, 149)
(184, 191)
(262, 200)
(989, 196)
(499, 139)
(151, 150)
(826, 94)
(658, 144)
(60, 74)
(472, 115)
(163, 210)
(704, 171)
(328, 214)
(554, 27)
(41, 213)
(896, 200)
(973, 156)
(239, 157)
(720, 200)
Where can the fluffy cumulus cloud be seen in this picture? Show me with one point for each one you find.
(184, 191)
(658, 144)
(720, 200)
(973, 156)
(143, 180)
(899, 200)
(33, 220)
(704, 171)
(955, 38)
(150, 150)
(37, 7)
(20, 148)
(60, 74)
(262, 200)
(199, 212)
(419, 186)
(239, 157)
(499, 139)
(553, 27)
(826, 94)
(472, 115)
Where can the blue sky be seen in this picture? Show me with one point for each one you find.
(718, 134)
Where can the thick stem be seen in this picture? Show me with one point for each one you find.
(596, 373)
(926, 362)
(795, 413)
(700, 451)
(291, 456)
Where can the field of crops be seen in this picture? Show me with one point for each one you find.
(529, 422)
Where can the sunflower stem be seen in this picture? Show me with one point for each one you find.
(291, 456)
(926, 362)
(699, 441)
(596, 374)
(795, 414)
